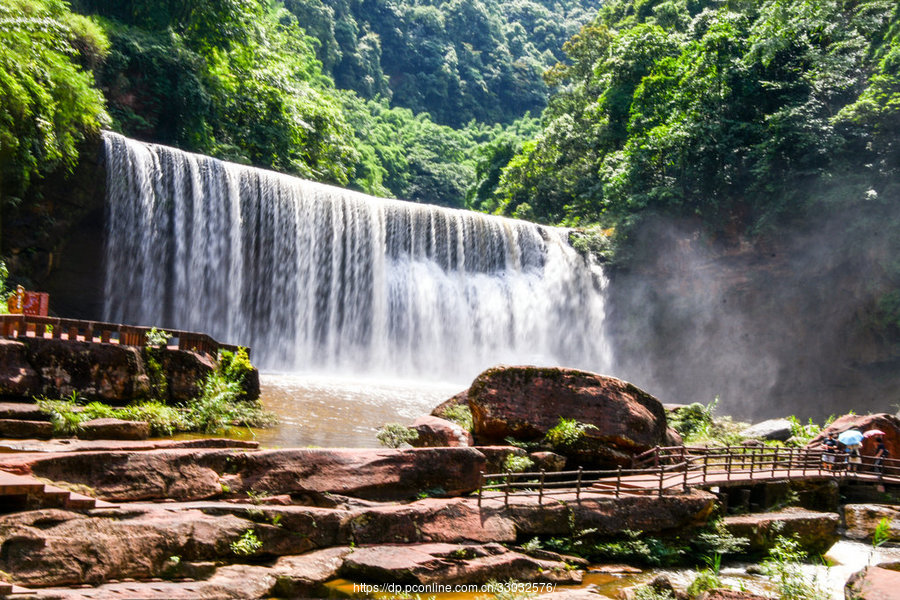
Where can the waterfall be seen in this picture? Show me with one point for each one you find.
(318, 278)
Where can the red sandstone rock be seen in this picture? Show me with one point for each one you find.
(106, 372)
(17, 376)
(873, 583)
(12, 428)
(184, 371)
(302, 576)
(861, 520)
(549, 461)
(379, 474)
(114, 429)
(451, 564)
(526, 402)
(496, 457)
(730, 595)
(26, 411)
(459, 399)
(431, 520)
(437, 432)
(55, 547)
(815, 531)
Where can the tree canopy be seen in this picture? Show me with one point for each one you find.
(739, 114)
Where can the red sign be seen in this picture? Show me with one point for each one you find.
(35, 304)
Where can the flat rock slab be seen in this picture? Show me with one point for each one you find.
(452, 564)
(114, 429)
(233, 582)
(77, 445)
(23, 411)
(187, 474)
(816, 531)
(24, 429)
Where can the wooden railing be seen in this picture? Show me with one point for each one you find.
(680, 468)
(17, 326)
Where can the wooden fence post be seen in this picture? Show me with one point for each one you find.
(541, 490)
(728, 463)
(480, 486)
(506, 490)
(660, 481)
(578, 488)
(618, 480)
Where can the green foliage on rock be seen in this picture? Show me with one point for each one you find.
(566, 434)
(394, 435)
(48, 102)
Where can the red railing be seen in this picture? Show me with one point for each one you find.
(18, 326)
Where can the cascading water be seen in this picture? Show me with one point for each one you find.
(317, 278)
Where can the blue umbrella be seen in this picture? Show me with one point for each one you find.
(851, 437)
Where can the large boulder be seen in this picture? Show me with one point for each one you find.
(436, 432)
(774, 429)
(524, 403)
(105, 372)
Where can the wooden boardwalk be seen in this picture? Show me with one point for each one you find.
(678, 469)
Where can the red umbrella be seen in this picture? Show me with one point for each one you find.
(872, 432)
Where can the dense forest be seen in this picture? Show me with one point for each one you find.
(742, 115)
(394, 99)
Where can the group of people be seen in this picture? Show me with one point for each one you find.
(837, 455)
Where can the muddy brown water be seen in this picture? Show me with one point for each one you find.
(340, 412)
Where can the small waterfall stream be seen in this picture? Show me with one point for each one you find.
(317, 278)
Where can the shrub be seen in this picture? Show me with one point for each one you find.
(247, 544)
(394, 435)
(517, 464)
(235, 366)
(219, 406)
(566, 433)
(783, 565)
(157, 338)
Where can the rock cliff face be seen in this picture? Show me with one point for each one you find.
(111, 373)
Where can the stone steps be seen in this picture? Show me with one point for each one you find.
(47, 495)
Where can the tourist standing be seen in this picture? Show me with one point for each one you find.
(881, 453)
(828, 455)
